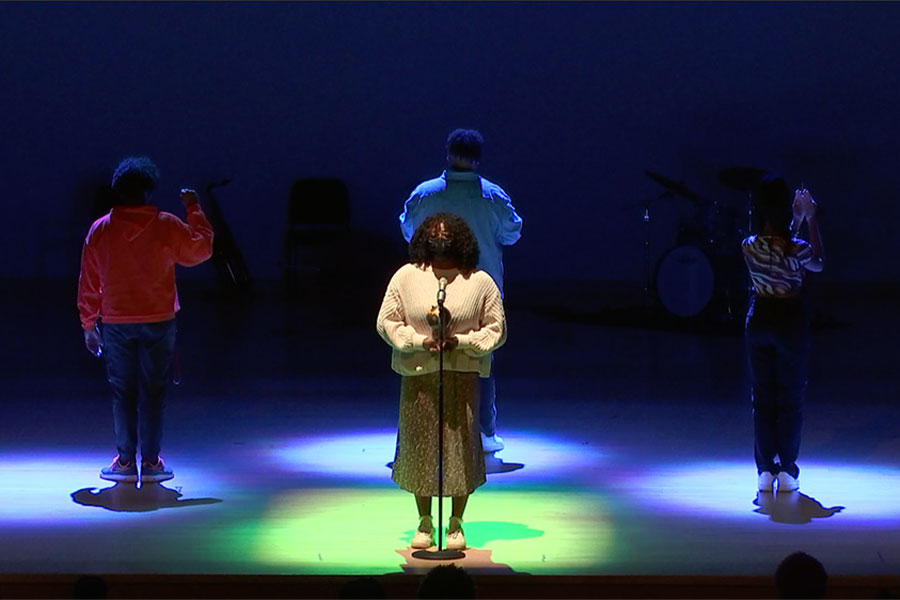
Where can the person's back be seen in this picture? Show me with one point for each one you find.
(777, 327)
(460, 190)
(493, 219)
(127, 302)
(776, 266)
(776, 259)
(132, 252)
(484, 206)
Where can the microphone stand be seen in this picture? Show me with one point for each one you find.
(440, 554)
(647, 255)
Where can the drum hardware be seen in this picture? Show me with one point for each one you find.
(684, 275)
(645, 206)
(676, 187)
(742, 179)
(701, 265)
(685, 281)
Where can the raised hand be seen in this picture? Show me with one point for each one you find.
(811, 206)
(188, 197)
(797, 208)
(803, 207)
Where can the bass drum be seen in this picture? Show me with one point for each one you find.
(684, 281)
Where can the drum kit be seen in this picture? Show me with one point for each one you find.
(704, 271)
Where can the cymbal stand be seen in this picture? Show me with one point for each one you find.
(647, 255)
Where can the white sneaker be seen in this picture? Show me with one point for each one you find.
(455, 538)
(786, 483)
(424, 539)
(493, 443)
(765, 481)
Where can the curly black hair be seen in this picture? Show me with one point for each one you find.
(134, 176)
(463, 245)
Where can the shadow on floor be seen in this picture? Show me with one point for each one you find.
(792, 508)
(126, 497)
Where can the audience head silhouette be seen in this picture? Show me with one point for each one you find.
(362, 587)
(447, 581)
(90, 586)
(800, 576)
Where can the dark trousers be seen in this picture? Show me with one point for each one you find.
(138, 360)
(777, 339)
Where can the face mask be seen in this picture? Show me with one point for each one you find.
(440, 246)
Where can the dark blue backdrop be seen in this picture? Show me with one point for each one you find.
(575, 101)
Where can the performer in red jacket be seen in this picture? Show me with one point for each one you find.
(127, 301)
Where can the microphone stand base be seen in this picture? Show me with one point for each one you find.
(438, 554)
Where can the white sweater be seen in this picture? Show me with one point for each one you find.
(476, 319)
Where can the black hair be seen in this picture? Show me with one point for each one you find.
(801, 576)
(772, 205)
(447, 581)
(466, 143)
(90, 586)
(463, 245)
(134, 176)
(362, 587)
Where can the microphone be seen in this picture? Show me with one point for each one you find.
(442, 290)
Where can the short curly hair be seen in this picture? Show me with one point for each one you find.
(135, 175)
(466, 143)
(463, 245)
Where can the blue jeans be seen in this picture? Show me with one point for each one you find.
(487, 418)
(777, 337)
(138, 360)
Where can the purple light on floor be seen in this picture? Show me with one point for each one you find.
(363, 455)
(37, 488)
(728, 489)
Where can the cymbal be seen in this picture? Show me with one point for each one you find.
(743, 179)
(675, 186)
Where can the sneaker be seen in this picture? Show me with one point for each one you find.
(455, 538)
(787, 483)
(119, 471)
(765, 481)
(424, 538)
(492, 443)
(155, 472)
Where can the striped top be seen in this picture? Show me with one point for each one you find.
(476, 319)
(775, 270)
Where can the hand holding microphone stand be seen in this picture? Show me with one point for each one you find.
(440, 554)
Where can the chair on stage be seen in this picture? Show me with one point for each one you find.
(318, 220)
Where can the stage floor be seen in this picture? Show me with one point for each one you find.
(636, 445)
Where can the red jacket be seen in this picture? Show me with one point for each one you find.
(128, 263)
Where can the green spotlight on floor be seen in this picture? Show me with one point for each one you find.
(367, 531)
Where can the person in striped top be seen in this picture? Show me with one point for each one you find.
(777, 325)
